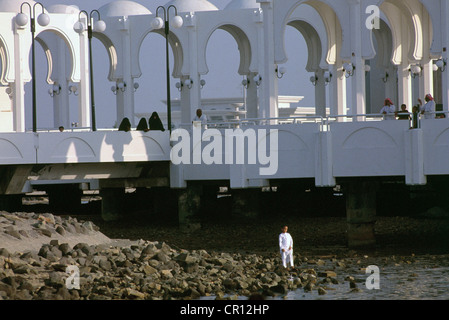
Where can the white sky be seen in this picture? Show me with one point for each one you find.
(222, 80)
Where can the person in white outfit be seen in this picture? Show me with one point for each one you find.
(200, 117)
(388, 110)
(428, 108)
(286, 247)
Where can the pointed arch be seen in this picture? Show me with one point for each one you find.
(419, 33)
(384, 39)
(313, 41)
(175, 45)
(43, 39)
(243, 44)
(111, 51)
(330, 42)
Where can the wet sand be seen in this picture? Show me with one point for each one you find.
(312, 236)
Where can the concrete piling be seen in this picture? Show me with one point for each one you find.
(361, 213)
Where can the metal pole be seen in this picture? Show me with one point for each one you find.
(33, 70)
(92, 98)
(167, 31)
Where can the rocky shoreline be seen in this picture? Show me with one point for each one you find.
(164, 270)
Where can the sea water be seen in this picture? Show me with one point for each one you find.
(420, 278)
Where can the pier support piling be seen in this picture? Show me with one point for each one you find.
(10, 203)
(112, 203)
(64, 197)
(245, 203)
(189, 200)
(361, 213)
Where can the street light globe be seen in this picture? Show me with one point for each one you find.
(99, 26)
(440, 63)
(21, 19)
(78, 27)
(416, 69)
(348, 67)
(43, 19)
(157, 23)
(177, 22)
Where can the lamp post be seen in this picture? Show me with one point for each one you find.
(43, 19)
(158, 23)
(99, 26)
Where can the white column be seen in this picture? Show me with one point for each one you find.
(358, 79)
(320, 94)
(61, 100)
(445, 37)
(404, 76)
(268, 91)
(84, 105)
(120, 102)
(405, 86)
(252, 100)
(125, 99)
(18, 87)
(391, 86)
(337, 91)
(194, 99)
(426, 79)
(187, 109)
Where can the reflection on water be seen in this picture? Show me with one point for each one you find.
(416, 278)
(426, 278)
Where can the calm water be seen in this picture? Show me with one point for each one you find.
(420, 278)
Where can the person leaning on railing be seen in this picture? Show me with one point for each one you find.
(429, 108)
(388, 110)
(403, 114)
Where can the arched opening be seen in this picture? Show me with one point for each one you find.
(151, 95)
(412, 34)
(52, 77)
(382, 80)
(302, 87)
(105, 102)
(224, 96)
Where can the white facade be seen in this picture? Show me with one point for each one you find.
(341, 45)
(410, 33)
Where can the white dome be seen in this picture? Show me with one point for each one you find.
(14, 6)
(123, 8)
(192, 5)
(242, 4)
(63, 8)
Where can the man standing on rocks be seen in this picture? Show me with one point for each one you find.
(286, 247)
